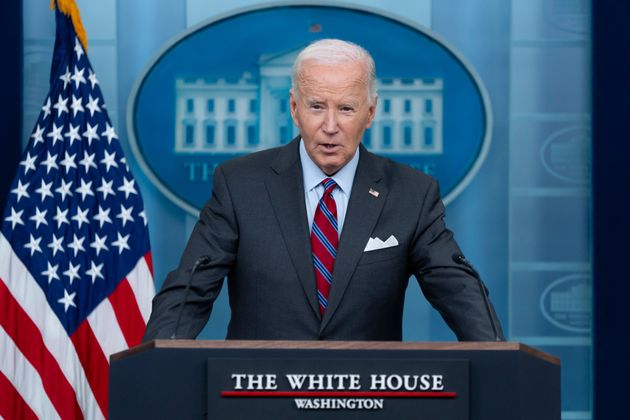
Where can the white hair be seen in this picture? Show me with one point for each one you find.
(335, 51)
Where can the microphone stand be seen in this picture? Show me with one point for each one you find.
(203, 260)
(460, 259)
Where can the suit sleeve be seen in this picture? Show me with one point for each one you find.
(214, 235)
(451, 288)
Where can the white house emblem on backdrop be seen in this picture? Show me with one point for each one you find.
(217, 92)
(218, 115)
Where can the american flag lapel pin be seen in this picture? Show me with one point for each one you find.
(374, 192)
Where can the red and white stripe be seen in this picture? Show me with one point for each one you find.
(45, 373)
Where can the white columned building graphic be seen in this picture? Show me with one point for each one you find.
(251, 112)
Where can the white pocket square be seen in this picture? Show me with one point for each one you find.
(376, 243)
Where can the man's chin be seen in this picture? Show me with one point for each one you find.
(330, 168)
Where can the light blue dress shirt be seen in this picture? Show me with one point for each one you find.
(313, 188)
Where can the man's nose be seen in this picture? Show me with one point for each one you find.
(330, 125)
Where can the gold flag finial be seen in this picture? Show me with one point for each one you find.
(70, 8)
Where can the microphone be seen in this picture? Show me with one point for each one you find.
(460, 259)
(203, 260)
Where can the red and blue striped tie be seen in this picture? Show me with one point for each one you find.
(324, 241)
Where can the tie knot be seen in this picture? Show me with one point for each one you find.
(329, 185)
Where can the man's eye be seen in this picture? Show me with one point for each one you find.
(347, 109)
(316, 106)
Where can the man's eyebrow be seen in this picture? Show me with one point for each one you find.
(351, 102)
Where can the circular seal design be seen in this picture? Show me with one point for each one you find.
(218, 91)
(566, 303)
(565, 154)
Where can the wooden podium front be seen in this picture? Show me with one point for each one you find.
(189, 379)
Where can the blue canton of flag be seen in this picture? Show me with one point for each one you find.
(75, 276)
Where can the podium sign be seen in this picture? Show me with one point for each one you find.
(190, 379)
(316, 388)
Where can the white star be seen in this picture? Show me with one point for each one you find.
(39, 217)
(76, 106)
(66, 78)
(92, 105)
(64, 189)
(67, 300)
(15, 218)
(143, 214)
(72, 272)
(21, 190)
(109, 161)
(77, 244)
(46, 108)
(103, 216)
(55, 133)
(95, 271)
(92, 78)
(51, 272)
(90, 133)
(44, 190)
(50, 163)
(28, 162)
(78, 48)
(85, 189)
(78, 77)
(106, 188)
(61, 217)
(109, 132)
(99, 244)
(61, 106)
(33, 245)
(56, 244)
(121, 242)
(127, 187)
(72, 134)
(87, 161)
(38, 135)
(125, 214)
(68, 162)
(81, 217)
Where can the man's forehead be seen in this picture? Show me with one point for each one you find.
(334, 76)
(316, 92)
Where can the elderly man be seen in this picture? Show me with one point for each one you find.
(318, 239)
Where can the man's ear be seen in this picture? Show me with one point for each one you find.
(293, 106)
(372, 112)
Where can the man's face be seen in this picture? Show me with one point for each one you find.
(332, 111)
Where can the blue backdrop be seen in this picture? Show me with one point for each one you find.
(525, 220)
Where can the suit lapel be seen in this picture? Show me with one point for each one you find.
(286, 193)
(361, 216)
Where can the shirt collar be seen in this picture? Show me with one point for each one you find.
(313, 175)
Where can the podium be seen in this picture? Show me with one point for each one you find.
(190, 379)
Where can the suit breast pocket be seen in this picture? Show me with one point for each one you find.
(382, 255)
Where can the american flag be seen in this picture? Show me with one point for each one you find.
(75, 263)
